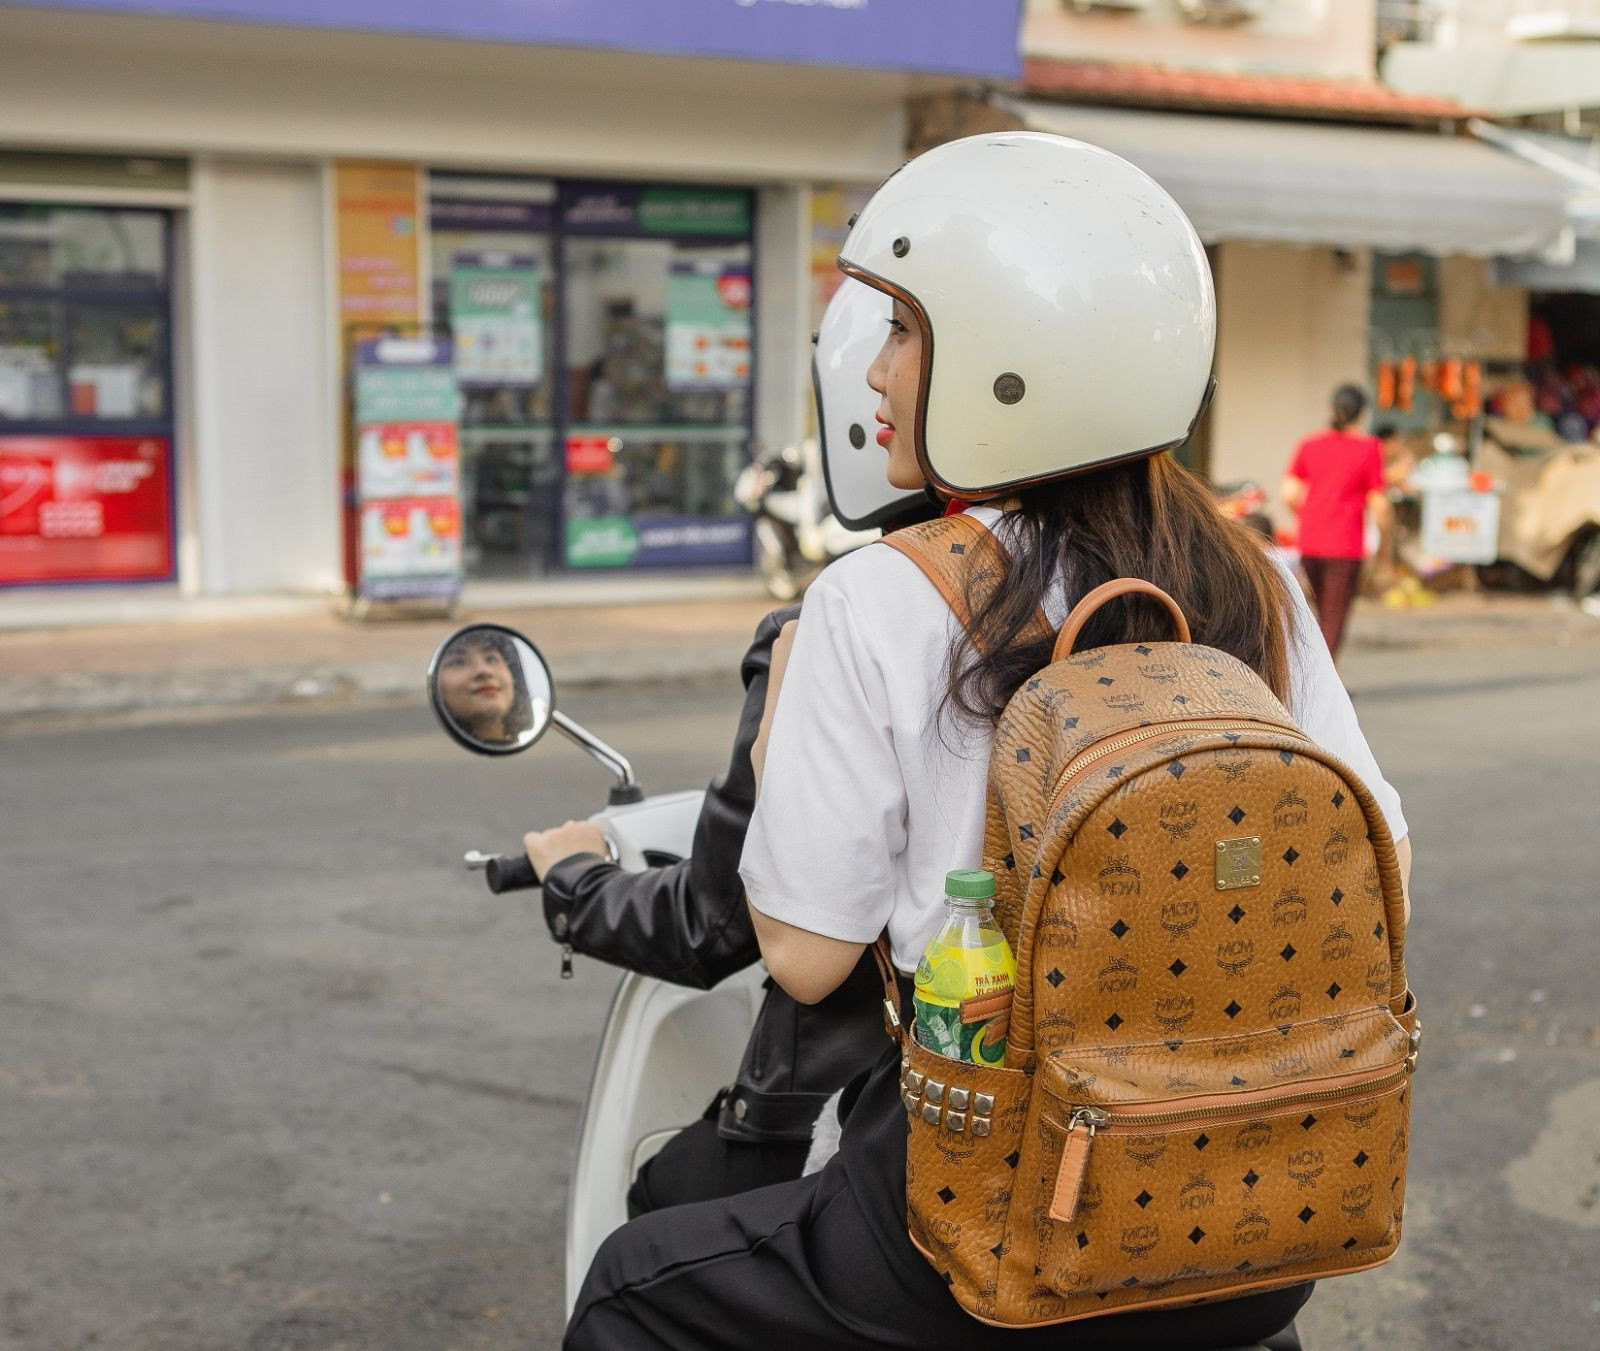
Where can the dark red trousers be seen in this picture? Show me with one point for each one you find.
(1333, 583)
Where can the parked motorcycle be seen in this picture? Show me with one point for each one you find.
(796, 532)
(665, 1049)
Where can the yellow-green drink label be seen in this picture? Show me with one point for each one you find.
(945, 977)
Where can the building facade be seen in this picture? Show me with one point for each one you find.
(609, 217)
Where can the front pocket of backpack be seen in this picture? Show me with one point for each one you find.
(1303, 1172)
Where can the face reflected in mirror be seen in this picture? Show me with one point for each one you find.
(491, 689)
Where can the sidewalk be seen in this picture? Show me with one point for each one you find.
(299, 652)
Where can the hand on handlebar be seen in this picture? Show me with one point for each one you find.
(546, 848)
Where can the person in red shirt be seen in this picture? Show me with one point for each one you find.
(1334, 479)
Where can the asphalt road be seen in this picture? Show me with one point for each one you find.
(276, 1075)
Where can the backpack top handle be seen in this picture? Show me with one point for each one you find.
(1107, 591)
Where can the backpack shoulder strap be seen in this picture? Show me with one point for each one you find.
(962, 558)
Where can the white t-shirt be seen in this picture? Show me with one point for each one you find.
(868, 798)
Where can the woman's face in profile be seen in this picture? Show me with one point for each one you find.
(896, 375)
(476, 685)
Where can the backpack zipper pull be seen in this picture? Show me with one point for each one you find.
(1074, 1161)
(566, 961)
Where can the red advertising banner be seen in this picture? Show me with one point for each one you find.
(590, 454)
(85, 508)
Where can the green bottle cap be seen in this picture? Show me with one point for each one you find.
(969, 884)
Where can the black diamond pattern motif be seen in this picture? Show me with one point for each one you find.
(1119, 928)
(1117, 828)
(1144, 651)
(1057, 877)
(1337, 896)
(1307, 1122)
(1251, 1178)
(1237, 1082)
(1023, 755)
(1176, 769)
(1334, 990)
(1360, 1159)
(999, 1249)
(1083, 1239)
(1290, 855)
(1180, 698)
(1143, 1199)
(1054, 976)
(1013, 1159)
(1348, 1243)
(1202, 1140)
(1233, 1010)
(1069, 724)
(1288, 952)
(1106, 680)
(945, 1195)
(1114, 1021)
(1035, 683)
(1010, 860)
(1286, 756)
(1025, 831)
(1180, 870)
(1377, 931)
(1244, 1265)
(1306, 1214)
(1177, 968)
(1237, 913)
(1236, 815)
(1338, 798)
(1175, 1044)
(1196, 1234)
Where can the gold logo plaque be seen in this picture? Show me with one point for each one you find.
(1239, 863)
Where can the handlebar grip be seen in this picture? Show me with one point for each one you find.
(509, 872)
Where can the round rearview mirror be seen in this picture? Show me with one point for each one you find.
(490, 689)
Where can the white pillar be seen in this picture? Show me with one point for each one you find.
(264, 385)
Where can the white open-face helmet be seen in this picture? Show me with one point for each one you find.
(854, 467)
(1066, 307)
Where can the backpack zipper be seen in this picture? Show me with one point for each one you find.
(1083, 763)
(1086, 1122)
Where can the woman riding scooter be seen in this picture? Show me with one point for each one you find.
(688, 923)
(1052, 338)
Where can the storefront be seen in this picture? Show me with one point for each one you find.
(86, 394)
(602, 221)
(604, 347)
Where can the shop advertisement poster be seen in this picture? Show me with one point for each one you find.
(708, 326)
(380, 266)
(1461, 527)
(657, 541)
(591, 455)
(408, 469)
(496, 319)
(85, 508)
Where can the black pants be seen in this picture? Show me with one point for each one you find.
(698, 1164)
(1334, 583)
(825, 1262)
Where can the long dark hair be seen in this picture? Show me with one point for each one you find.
(1146, 518)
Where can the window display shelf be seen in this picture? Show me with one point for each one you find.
(663, 432)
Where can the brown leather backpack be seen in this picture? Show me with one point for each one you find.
(1207, 1080)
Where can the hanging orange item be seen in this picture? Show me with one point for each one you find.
(1430, 375)
(1450, 378)
(1386, 383)
(1472, 388)
(1405, 390)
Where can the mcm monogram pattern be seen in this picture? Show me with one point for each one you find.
(1207, 1078)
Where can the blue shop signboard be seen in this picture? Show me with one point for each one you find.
(959, 37)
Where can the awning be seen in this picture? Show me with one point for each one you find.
(1283, 182)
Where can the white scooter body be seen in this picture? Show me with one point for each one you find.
(665, 1052)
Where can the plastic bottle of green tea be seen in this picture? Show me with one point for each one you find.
(966, 976)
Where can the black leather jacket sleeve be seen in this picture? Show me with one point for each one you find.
(688, 922)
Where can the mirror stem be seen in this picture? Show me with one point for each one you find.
(613, 760)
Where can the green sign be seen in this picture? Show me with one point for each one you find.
(496, 322)
(689, 211)
(406, 394)
(601, 542)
